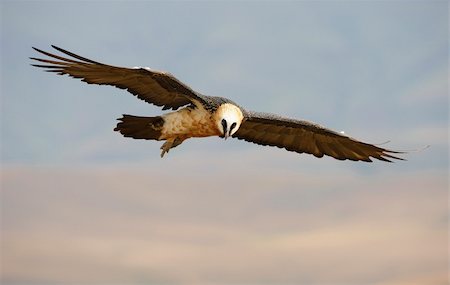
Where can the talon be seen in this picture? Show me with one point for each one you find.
(170, 143)
(166, 147)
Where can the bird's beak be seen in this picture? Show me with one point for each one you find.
(225, 136)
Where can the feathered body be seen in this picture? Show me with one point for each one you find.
(203, 116)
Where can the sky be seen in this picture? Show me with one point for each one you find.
(80, 204)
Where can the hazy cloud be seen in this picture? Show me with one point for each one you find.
(122, 225)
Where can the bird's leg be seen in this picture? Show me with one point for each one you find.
(170, 143)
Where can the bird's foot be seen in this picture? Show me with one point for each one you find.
(170, 143)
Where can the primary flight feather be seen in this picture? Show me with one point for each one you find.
(203, 116)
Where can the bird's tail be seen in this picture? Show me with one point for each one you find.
(148, 128)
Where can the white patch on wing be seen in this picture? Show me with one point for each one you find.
(149, 69)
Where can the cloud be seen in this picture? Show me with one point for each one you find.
(134, 225)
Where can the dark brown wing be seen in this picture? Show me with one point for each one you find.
(154, 87)
(306, 137)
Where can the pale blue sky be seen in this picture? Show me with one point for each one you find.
(377, 70)
(104, 209)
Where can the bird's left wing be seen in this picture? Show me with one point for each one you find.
(154, 87)
(306, 137)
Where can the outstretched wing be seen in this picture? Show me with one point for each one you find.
(306, 137)
(154, 87)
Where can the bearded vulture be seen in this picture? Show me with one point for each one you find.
(204, 116)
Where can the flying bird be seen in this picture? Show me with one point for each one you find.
(198, 115)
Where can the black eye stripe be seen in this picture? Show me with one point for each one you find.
(233, 125)
(224, 125)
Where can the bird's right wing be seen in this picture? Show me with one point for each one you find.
(154, 87)
(306, 137)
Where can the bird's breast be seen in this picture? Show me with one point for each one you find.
(189, 122)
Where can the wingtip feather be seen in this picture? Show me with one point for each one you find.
(75, 55)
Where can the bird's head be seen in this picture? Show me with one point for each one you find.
(228, 119)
